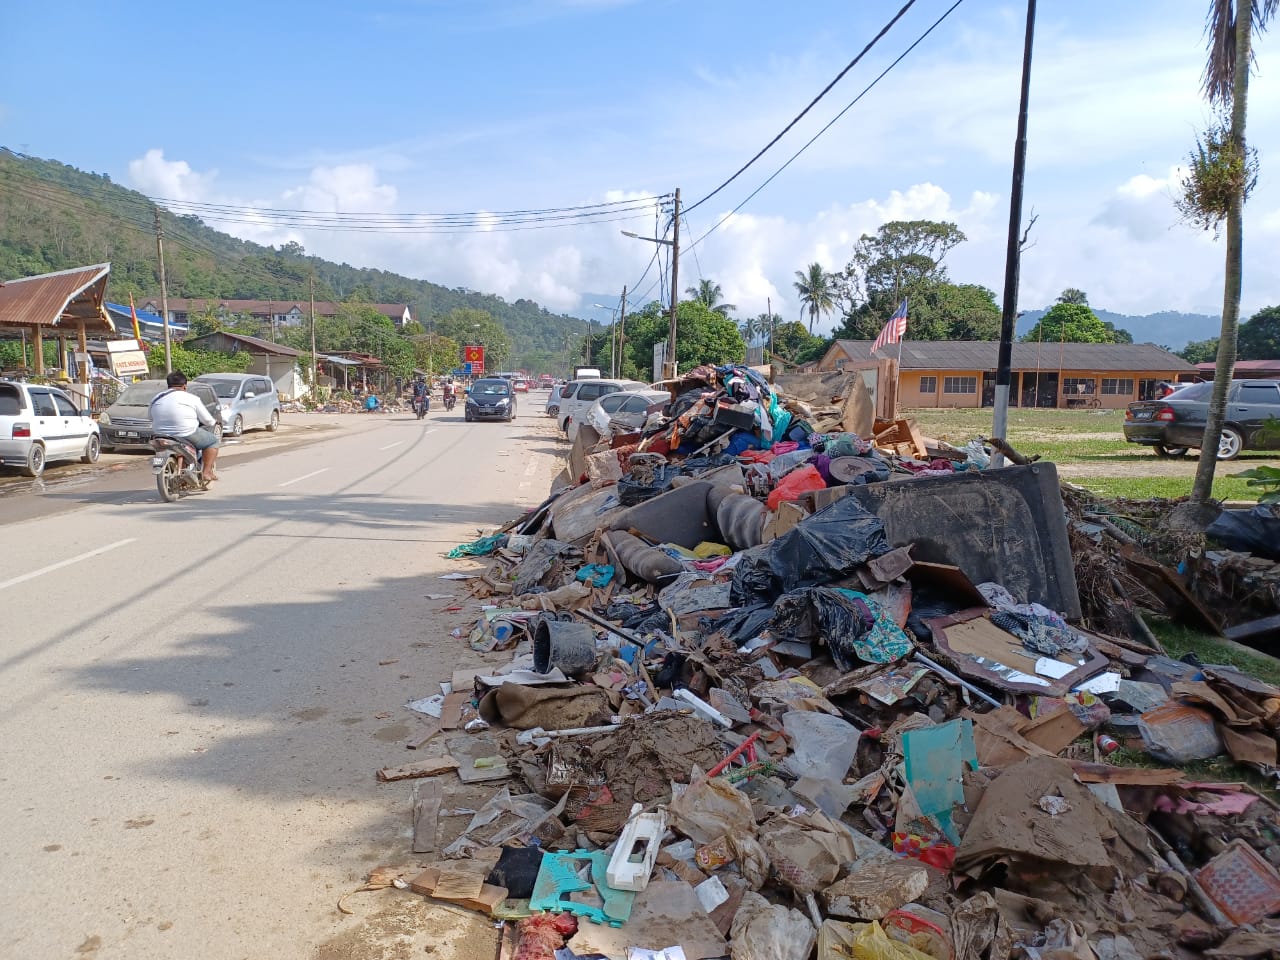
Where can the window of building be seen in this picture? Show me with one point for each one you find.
(1117, 386)
(1079, 386)
(928, 384)
(959, 384)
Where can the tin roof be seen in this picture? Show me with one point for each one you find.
(240, 341)
(982, 355)
(70, 296)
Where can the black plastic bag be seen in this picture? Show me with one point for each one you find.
(630, 492)
(740, 624)
(855, 631)
(826, 546)
(1255, 531)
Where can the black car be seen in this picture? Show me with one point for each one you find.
(127, 422)
(1175, 424)
(491, 400)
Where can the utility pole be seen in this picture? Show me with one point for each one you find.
(768, 306)
(315, 382)
(1013, 254)
(164, 295)
(622, 329)
(671, 366)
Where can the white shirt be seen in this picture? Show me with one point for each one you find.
(176, 413)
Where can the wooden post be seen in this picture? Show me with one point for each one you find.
(38, 341)
(82, 366)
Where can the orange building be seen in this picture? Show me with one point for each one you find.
(962, 373)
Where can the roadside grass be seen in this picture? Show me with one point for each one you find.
(1092, 438)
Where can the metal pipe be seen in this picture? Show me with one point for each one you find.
(947, 674)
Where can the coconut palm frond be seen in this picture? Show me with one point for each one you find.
(1220, 34)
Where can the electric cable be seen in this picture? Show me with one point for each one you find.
(812, 103)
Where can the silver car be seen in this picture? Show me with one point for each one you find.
(248, 400)
(625, 411)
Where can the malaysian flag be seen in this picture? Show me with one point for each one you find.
(894, 329)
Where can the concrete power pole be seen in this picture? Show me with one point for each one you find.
(622, 329)
(164, 295)
(315, 382)
(670, 372)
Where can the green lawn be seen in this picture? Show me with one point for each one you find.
(1090, 450)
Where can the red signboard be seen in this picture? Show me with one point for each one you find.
(473, 354)
(477, 368)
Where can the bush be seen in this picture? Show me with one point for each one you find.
(195, 362)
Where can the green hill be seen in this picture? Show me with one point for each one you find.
(53, 217)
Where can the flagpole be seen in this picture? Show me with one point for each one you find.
(897, 374)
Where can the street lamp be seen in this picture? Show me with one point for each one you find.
(613, 354)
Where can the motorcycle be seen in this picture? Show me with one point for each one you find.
(176, 465)
(449, 401)
(420, 407)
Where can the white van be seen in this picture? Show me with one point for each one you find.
(586, 373)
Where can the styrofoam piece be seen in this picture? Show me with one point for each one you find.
(711, 893)
(637, 850)
(702, 708)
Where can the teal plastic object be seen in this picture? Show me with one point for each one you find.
(478, 548)
(559, 878)
(596, 574)
(934, 762)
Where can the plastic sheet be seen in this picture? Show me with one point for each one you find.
(1255, 531)
(825, 546)
(855, 627)
(795, 484)
(478, 548)
(765, 931)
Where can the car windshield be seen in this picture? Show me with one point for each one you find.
(141, 394)
(224, 388)
(491, 388)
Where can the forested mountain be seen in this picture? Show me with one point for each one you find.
(1168, 328)
(53, 217)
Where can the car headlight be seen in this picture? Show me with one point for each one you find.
(104, 419)
(225, 407)
(505, 401)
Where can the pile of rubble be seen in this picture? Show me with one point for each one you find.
(771, 676)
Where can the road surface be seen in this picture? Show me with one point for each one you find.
(194, 697)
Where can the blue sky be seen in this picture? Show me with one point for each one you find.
(437, 106)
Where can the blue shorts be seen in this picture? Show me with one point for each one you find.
(202, 439)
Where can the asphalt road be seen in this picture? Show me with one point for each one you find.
(194, 697)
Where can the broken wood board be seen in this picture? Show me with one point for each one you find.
(423, 736)
(1125, 776)
(478, 759)
(451, 712)
(427, 796)
(420, 768)
(485, 901)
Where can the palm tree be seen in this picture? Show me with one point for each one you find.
(1226, 85)
(750, 328)
(708, 293)
(816, 293)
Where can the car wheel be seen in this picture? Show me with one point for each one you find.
(1231, 444)
(35, 461)
(553, 411)
(237, 426)
(275, 421)
(217, 430)
(92, 450)
(1163, 451)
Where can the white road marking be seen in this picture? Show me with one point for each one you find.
(390, 445)
(305, 476)
(431, 431)
(64, 563)
(531, 468)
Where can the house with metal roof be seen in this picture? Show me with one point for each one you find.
(273, 360)
(962, 373)
(273, 313)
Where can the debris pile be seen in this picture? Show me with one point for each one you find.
(753, 685)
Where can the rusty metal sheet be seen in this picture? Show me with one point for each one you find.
(53, 298)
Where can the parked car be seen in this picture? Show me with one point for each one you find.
(491, 399)
(1175, 424)
(553, 401)
(41, 424)
(127, 422)
(546, 382)
(520, 385)
(577, 396)
(625, 411)
(247, 400)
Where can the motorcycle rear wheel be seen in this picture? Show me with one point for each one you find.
(167, 480)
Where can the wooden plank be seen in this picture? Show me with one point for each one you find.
(451, 712)
(917, 439)
(1126, 776)
(489, 897)
(423, 736)
(426, 814)
(422, 768)
(1253, 628)
(478, 759)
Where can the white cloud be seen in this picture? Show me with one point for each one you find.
(155, 176)
(1142, 207)
(350, 188)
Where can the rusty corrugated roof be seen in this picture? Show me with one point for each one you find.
(50, 299)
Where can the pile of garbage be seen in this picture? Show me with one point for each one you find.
(756, 684)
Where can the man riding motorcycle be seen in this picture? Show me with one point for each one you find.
(449, 395)
(177, 413)
(421, 396)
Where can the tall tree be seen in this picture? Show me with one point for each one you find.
(705, 337)
(816, 294)
(1072, 323)
(1260, 335)
(709, 294)
(1221, 173)
(1074, 295)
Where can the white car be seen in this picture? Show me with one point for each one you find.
(625, 411)
(577, 396)
(40, 424)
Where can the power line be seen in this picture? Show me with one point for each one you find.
(851, 64)
(867, 89)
